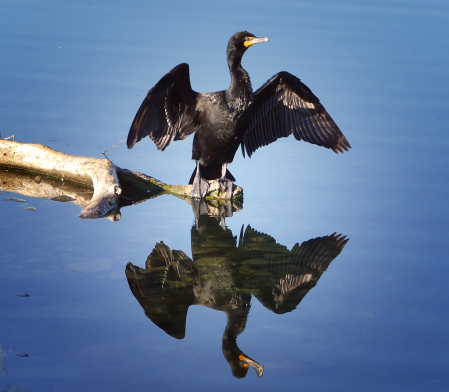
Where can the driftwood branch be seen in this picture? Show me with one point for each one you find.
(111, 184)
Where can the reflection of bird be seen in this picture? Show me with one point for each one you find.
(281, 278)
(226, 119)
(223, 275)
(164, 288)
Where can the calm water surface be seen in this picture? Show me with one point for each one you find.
(155, 302)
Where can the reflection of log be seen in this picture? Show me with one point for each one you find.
(106, 178)
(28, 184)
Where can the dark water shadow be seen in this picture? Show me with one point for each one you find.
(225, 273)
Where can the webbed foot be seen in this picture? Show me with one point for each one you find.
(200, 187)
(226, 187)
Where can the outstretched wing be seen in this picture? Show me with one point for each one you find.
(284, 105)
(168, 111)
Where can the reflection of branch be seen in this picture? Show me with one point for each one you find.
(107, 179)
(32, 185)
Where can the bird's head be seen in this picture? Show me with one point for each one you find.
(241, 41)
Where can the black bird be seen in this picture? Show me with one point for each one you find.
(226, 119)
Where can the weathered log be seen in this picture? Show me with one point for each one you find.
(42, 159)
(106, 178)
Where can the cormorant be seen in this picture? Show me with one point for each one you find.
(226, 119)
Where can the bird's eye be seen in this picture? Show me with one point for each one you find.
(246, 38)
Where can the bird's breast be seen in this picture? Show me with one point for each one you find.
(240, 103)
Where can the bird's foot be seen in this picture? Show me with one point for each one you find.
(200, 187)
(226, 187)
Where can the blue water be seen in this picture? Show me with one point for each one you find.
(72, 77)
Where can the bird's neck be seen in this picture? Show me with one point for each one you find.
(240, 82)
